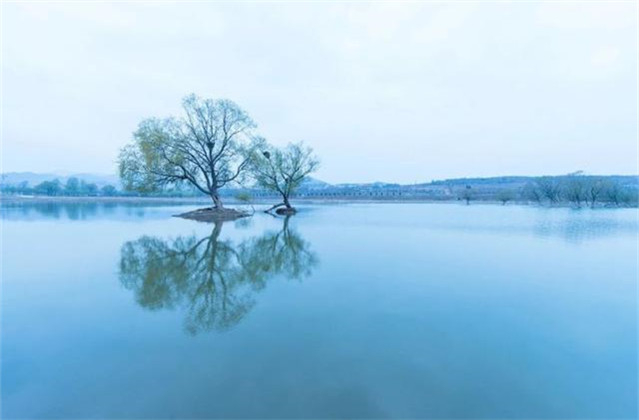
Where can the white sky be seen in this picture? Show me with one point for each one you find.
(393, 91)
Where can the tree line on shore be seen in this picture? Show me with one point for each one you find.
(73, 187)
(576, 190)
(579, 190)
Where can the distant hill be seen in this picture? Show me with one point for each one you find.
(368, 185)
(521, 180)
(313, 183)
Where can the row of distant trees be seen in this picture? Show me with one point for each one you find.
(73, 187)
(580, 190)
(576, 189)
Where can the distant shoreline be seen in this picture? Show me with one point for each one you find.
(572, 190)
(231, 201)
(227, 200)
(110, 199)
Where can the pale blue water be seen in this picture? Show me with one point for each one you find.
(352, 311)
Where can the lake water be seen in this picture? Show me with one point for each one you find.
(342, 311)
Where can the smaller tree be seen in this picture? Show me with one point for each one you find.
(89, 188)
(613, 193)
(49, 187)
(594, 189)
(575, 189)
(283, 171)
(72, 186)
(630, 197)
(467, 194)
(531, 192)
(505, 195)
(109, 190)
(549, 188)
(24, 188)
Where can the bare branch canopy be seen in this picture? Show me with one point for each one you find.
(283, 170)
(208, 147)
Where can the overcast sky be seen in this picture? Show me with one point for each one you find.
(399, 92)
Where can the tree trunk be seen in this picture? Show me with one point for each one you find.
(274, 207)
(287, 203)
(217, 203)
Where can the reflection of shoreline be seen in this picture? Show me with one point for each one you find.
(215, 281)
(572, 225)
(572, 228)
(578, 230)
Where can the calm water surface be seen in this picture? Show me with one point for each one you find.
(343, 311)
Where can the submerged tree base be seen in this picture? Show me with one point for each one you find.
(286, 211)
(211, 214)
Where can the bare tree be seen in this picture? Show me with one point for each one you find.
(630, 197)
(549, 188)
(531, 192)
(575, 189)
(505, 195)
(614, 193)
(283, 170)
(208, 147)
(595, 187)
(467, 194)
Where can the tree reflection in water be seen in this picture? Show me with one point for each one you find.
(214, 280)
